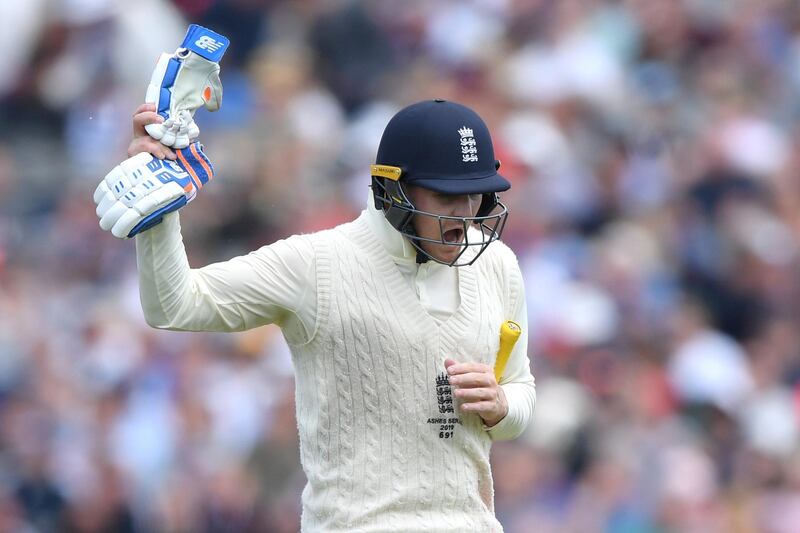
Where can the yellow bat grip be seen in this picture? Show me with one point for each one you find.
(509, 333)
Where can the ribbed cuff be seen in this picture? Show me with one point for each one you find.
(520, 408)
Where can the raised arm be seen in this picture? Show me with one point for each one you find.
(275, 284)
(141, 196)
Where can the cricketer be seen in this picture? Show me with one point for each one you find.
(393, 319)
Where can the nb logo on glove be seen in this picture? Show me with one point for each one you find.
(207, 43)
(164, 176)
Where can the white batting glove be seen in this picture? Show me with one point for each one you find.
(137, 193)
(184, 81)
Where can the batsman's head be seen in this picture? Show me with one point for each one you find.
(435, 178)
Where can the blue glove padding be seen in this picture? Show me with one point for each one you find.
(137, 193)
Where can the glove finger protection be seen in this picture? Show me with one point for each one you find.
(138, 192)
(183, 82)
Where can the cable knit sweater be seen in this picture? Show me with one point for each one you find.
(383, 443)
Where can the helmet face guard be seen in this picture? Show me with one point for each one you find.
(490, 221)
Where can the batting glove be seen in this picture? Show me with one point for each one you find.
(138, 192)
(184, 81)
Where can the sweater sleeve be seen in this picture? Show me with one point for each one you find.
(274, 284)
(517, 380)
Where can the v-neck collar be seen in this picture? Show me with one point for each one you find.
(377, 232)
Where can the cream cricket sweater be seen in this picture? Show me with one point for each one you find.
(383, 444)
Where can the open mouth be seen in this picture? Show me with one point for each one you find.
(454, 236)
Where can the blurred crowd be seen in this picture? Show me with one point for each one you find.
(653, 151)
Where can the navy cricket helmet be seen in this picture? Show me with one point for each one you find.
(444, 147)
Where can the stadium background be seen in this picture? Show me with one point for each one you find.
(653, 150)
